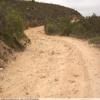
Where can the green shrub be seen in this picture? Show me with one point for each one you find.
(95, 40)
(78, 30)
(87, 27)
(61, 26)
(14, 29)
(52, 29)
(11, 25)
(66, 26)
(14, 24)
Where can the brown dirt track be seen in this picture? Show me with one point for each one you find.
(52, 66)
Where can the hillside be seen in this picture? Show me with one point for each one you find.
(18, 15)
(38, 13)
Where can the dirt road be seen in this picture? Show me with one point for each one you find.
(52, 67)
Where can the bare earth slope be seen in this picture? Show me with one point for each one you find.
(52, 67)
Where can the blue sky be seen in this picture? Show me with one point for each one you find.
(85, 7)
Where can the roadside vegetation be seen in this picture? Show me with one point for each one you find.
(58, 26)
(85, 27)
(11, 26)
(12, 37)
(17, 15)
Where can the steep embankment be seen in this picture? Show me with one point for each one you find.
(52, 66)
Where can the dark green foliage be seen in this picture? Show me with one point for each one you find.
(11, 25)
(14, 23)
(88, 28)
(95, 40)
(60, 26)
(33, 0)
(34, 14)
(66, 26)
(52, 27)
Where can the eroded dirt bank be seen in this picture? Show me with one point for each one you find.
(52, 67)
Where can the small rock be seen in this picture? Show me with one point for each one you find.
(71, 81)
(76, 75)
(52, 53)
(1, 69)
(27, 93)
(76, 91)
(41, 52)
(56, 80)
(42, 76)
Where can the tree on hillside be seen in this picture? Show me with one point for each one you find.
(33, 0)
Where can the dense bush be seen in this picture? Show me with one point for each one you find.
(88, 27)
(52, 28)
(92, 25)
(11, 25)
(61, 26)
(65, 26)
(95, 40)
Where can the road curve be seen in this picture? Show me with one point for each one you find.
(52, 66)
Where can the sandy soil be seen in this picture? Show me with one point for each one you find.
(52, 67)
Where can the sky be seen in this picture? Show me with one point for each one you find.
(85, 7)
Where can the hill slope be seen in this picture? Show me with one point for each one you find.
(33, 13)
(37, 13)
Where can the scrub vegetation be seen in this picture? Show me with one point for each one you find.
(84, 27)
